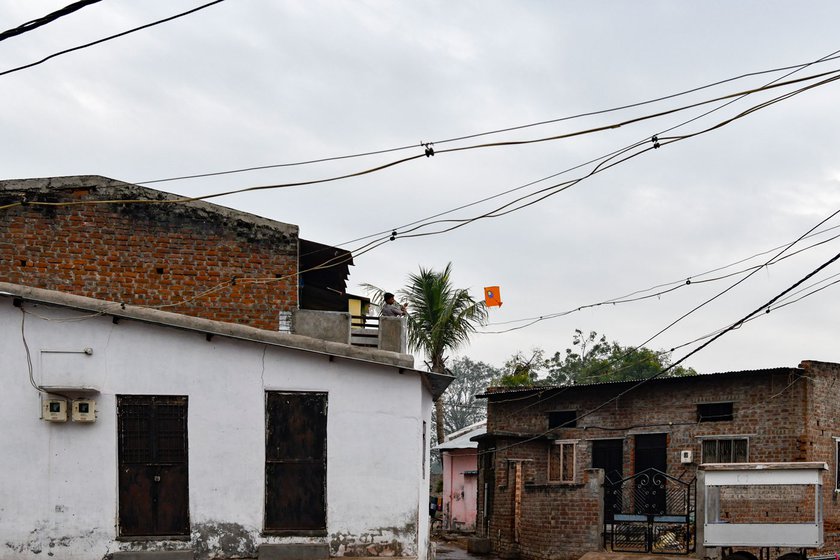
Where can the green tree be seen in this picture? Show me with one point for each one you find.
(461, 408)
(440, 319)
(593, 359)
(522, 371)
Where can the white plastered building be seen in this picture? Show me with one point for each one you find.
(191, 438)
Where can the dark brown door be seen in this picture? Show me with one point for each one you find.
(296, 462)
(153, 490)
(650, 459)
(608, 454)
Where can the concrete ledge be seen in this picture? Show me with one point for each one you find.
(332, 326)
(154, 555)
(294, 552)
(393, 334)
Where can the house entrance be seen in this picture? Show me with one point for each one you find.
(152, 452)
(650, 453)
(651, 513)
(608, 454)
(296, 463)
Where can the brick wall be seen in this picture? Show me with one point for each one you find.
(153, 255)
(819, 443)
(786, 414)
(559, 521)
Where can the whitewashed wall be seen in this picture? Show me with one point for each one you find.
(58, 490)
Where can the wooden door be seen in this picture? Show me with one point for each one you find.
(153, 471)
(608, 454)
(296, 463)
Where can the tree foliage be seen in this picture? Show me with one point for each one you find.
(440, 319)
(593, 359)
(461, 408)
(522, 371)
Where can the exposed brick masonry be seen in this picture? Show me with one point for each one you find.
(152, 255)
(787, 414)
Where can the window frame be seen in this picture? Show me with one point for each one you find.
(718, 439)
(560, 445)
(716, 417)
(836, 464)
(563, 425)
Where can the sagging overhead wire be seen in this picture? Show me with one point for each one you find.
(109, 38)
(794, 69)
(789, 299)
(665, 288)
(610, 162)
(554, 189)
(790, 291)
(49, 18)
(387, 165)
(782, 302)
(740, 281)
(737, 324)
(546, 192)
(490, 132)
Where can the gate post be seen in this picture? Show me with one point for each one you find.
(700, 517)
(596, 486)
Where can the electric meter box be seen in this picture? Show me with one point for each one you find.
(686, 456)
(84, 410)
(54, 410)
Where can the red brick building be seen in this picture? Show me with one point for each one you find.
(105, 239)
(548, 452)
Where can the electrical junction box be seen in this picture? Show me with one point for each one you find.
(54, 410)
(686, 456)
(84, 410)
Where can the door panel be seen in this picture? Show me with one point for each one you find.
(295, 497)
(650, 453)
(296, 461)
(153, 470)
(608, 454)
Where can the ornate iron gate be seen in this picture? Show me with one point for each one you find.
(650, 512)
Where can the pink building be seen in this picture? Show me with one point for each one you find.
(460, 478)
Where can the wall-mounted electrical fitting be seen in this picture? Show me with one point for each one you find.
(686, 456)
(53, 410)
(84, 410)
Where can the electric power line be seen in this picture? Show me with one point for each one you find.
(605, 367)
(733, 326)
(36, 23)
(556, 137)
(550, 191)
(669, 286)
(109, 38)
(486, 133)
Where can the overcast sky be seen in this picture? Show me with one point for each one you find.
(252, 83)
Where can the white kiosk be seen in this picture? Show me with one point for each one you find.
(763, 505)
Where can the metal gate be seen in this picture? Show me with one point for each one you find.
(650, 512)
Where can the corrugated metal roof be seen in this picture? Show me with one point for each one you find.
(505, 391)
(461, 439)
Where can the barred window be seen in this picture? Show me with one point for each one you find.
(726, 450)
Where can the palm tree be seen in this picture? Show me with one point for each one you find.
(440, 319)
